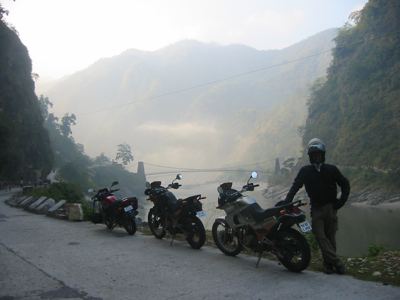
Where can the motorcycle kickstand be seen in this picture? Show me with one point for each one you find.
(259, 258)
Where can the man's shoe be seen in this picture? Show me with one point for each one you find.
(328, 269)
(340, 268)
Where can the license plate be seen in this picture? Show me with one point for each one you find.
(201, 214)
(305, 226)
(128, 208)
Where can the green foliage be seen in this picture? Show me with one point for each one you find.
(374, 250)
(87, 210)
(66, 122)
(356, 110)
(60, 191)
(312, 241)
(124, 154)
(26, 151)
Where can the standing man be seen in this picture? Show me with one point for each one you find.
(320, 181)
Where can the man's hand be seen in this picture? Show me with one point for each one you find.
(282, 202)
(338, 204)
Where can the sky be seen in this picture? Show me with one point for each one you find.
(64, 36)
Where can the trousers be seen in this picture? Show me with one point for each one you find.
(324, 226)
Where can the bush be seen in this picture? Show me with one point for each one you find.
(87, 210)
(60, 191)
(374, 250)
(312, 241)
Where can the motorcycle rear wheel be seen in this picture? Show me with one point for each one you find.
(155, 224)
(197, 233)
(130, 225)
(225, 239)
(294, 251)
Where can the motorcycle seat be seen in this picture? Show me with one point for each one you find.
(259, 214)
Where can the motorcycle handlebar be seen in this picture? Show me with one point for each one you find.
(112, 191)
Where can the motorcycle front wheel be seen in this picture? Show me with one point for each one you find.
(130, 225)
(293, 250)
(225, 238)
(196, 236)
(155, 224)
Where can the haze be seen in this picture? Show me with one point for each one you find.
(64, 36)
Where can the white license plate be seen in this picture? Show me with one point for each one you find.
(305, 226)
(201, 214)
(128, 208)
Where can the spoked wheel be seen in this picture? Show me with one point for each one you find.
(130, 225)
(196, 236)
(294, 251)
(155, 224)
(225, 238)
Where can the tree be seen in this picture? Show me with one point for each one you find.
(66, 122)
(124, 154)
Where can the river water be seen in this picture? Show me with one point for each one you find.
(359, 226)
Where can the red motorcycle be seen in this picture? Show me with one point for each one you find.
(109, 210)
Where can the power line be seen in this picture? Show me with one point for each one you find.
(222, 169)
(173, 92)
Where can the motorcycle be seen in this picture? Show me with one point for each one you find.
(247, 225)
(175, 216)
(112, 212)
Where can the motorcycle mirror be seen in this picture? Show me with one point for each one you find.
(179, 177)
(254, 174)
(148, 185)
(114, 183)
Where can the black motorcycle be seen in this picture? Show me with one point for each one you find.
(175, 216)
(109, 210)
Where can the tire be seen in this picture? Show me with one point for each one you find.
(109, 223)
(196, 232)
(221, 238)
(155, 224)
(294, 251)
(130, 225)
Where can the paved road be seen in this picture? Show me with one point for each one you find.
(45, 258)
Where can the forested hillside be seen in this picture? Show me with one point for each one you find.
(25, 151)
(357, 110)
(253, 117)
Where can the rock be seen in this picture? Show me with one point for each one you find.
(349, 259)
(56, 206)
(37, 203)
(377, 274)
(75, 212)
(20, 200)
(28, 202)
(45, 206)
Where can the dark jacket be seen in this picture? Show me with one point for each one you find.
(321, 186)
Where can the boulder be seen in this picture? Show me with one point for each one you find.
(36, 203)
(21, 199)
(28, 202)
(74, 212)
(45, 206)
(56, 206)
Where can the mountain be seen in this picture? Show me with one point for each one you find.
(196, 104)
(356, 111)
(25, 151)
